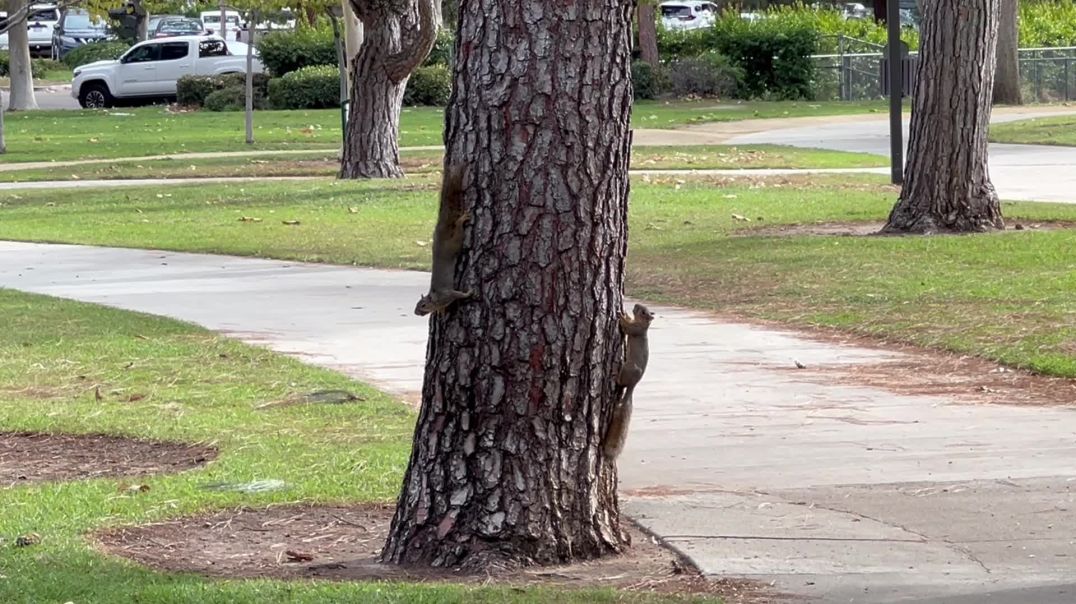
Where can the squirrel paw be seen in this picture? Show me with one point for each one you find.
(464, 218)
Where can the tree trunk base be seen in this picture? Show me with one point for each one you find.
(905, 220)
(370, 170)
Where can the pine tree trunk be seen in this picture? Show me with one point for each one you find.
(947, 185)
(506, 467)
(648, 33)
(393, 46)
(21, 96)
(1007, 78)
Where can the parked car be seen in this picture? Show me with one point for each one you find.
(177, 26)
(149, 70)
(211, 21)
(40, 21)
(74, 29)
(688, 15)
(854, 10)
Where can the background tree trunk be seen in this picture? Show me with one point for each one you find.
(394, 45)
(21, 96)
(353, 37)
(947, 186)
(646, 17)
(1007, 78)
(252, 29)
(3, 139)
(506, 466)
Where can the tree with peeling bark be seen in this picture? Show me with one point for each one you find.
(1007, 77)
(507, 466)
(397, 37)
(947, 187)
(21, 96)
(16, 15)
(646, 21)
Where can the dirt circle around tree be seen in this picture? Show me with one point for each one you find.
(872, 228)
(342, 543)
(38, 457)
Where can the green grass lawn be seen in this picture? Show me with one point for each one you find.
(197, 387)
(1003, 296)
(125, 132)
(1059, 130)
(324, 163)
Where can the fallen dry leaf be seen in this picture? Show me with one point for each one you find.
(290, 222)
(294, 556)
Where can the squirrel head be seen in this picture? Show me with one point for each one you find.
(425, 306)
(643, 313)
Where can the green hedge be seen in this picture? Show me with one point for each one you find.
(95, 51)
(37, 66)
(287, 51)
(231, 98)
(314, 87)
(430, 85)
(193, 91)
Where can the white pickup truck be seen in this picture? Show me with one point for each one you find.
(149, 70)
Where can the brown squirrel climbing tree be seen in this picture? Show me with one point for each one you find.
(447, 245)
(636, 355)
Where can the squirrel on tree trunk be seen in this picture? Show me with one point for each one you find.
(447, 245)
(636, 355)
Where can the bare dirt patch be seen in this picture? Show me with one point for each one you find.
(863, 229)
(342, 544)
(32, 457)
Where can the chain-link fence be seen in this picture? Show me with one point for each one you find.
(855, 72)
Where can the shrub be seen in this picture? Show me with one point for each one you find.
(315, 87)
(707, 75)
(40, 66)
(192, 91)
(775, 59)
(231, 98)
(430, 85)
(95, 51)
(37, 66)
(287, 51)
(442, 49)
(648, 82)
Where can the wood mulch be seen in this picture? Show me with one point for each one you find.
(342, 543)
(31, 457)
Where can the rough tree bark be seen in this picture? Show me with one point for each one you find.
(947, 184)
(21, 96)
(1007, 77)
(506, 467)
(647, 20)
(398, 36)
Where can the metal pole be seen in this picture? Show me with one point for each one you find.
(896, 86)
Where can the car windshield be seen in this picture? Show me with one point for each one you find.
(677, 11)
(232, 19)
(46, 14)
(82, 20)
(180, 27)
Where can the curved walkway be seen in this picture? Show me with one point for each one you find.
(747, 465)
(1019, 172)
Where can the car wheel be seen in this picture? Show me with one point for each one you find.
(95, 96)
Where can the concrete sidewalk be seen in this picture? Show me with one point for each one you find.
(1019, 172)
(843, 493)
